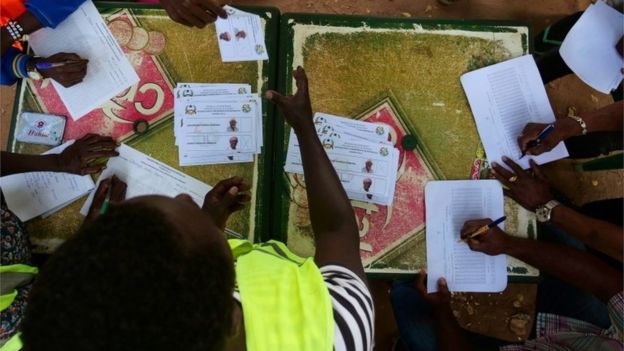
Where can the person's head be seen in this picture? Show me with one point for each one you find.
(368, 165)
(233, 124)
(367, 183)
(155, 273)
(233, 142)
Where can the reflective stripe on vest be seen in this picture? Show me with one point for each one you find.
(286, 304)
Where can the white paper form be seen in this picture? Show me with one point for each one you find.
(589, 47)
(33, 194)
(147, 176)
(108, 72)
(503, 98)
(240, 36)
(448, 205)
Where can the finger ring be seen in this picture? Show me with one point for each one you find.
(512, 179)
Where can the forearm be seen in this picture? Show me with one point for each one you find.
(602, 236)
(608, 118)
(575, 267)
(17, 163)
(450, 336)
(330, 209)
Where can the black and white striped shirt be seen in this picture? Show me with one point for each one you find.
(352, 303)
(354, 314)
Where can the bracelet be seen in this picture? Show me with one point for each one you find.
(15, 30)
(580, 122)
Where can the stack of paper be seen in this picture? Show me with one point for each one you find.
(217, 123)
(361, 154)
(504, 98)
(449, 204)
(34, 194)
(240, 36)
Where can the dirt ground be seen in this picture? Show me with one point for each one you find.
(563, 94)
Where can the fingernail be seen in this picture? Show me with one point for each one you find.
(442, 281)
(233, 190)
(494, 164)
(269, 95)
(505, 158)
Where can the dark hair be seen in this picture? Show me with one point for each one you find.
(126, 282)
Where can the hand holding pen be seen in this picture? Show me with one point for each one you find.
(537, 138)
(66, 69)
(485, 236)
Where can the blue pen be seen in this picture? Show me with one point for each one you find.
(542, 135)
(48, 65)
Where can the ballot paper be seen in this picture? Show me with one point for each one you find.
(449, 204)
(325, 124)
(240, 36)
(145, 175)
(504, 97)
(589, 47)
(217, 123)
(34, 194)
(367, 168)
(109, 72)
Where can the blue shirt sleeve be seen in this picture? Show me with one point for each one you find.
(13, 66)
(51, 13)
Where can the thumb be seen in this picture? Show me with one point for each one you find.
(275, 97)
(230, 196)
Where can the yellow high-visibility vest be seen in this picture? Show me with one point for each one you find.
(286, 304)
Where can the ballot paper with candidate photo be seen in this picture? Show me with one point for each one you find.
(367, 170)
(185, 91)
(326, 124)
(240, 36)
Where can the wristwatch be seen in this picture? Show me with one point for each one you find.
(543, 212)
(31, 69)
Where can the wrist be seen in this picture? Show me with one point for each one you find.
(568, 127)
(305, 129)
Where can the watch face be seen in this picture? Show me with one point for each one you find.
(542, 214)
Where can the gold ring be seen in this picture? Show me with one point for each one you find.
(512, 179)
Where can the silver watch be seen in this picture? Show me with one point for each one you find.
(543, 212)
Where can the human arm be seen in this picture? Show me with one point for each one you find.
(333, 222)
(449, 334)
(575, 267)
(194, 13)
(76, 158)
(608, 118)
(29, 23)
(533, 190)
